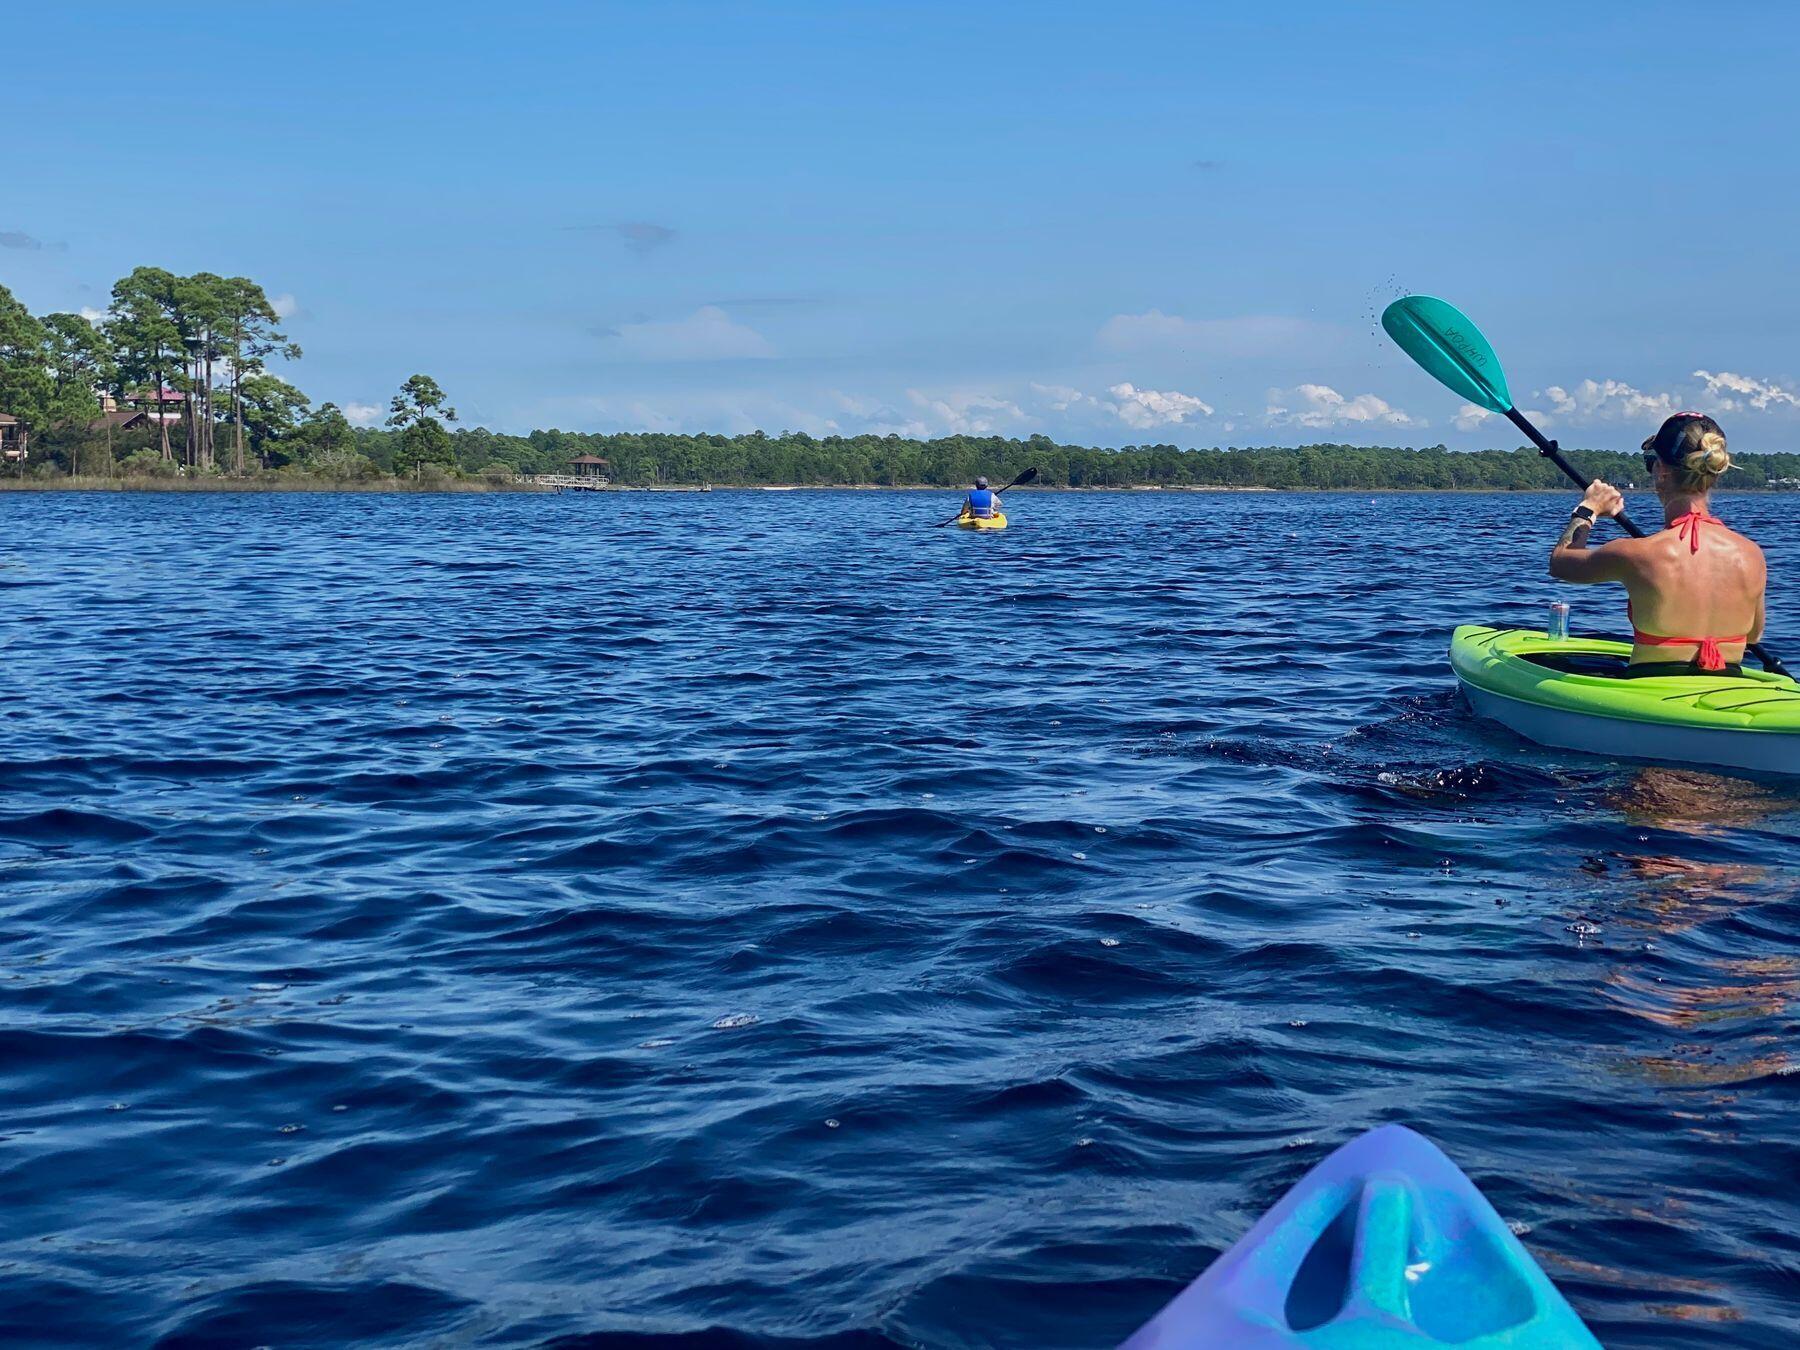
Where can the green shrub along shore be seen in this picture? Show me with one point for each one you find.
(324, 452)
(170, 389)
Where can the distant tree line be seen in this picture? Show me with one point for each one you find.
(194, 351)
(650, 458)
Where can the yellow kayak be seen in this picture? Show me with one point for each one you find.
(997, 521)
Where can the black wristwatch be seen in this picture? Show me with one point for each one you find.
(1583, 512)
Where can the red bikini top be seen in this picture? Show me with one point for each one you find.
(1709, 658)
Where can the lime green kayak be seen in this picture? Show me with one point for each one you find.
(1568, 693)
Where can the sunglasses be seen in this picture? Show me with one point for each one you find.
(1650, 461)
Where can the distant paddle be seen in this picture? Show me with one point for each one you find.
(1452, 351)
(1029, 476)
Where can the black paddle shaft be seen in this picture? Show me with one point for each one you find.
(1551, 451)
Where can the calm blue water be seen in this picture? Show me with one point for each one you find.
(761, 919)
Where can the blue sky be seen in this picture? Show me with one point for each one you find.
(1114, 224)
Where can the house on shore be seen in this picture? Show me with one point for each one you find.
(122, 419)
(163, 406)
(15, 440)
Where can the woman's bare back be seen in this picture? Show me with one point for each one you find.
(1681, 587)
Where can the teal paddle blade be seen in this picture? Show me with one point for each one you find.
(1440, 338)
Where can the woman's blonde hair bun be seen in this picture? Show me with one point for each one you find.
(1711, 459)
(1692, 444)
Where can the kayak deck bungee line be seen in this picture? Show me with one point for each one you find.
(1566, 693)
(997, 521)
(1383, 1246)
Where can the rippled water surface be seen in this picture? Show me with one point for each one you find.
(764, 919)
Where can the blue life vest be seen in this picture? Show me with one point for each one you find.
(981, 503)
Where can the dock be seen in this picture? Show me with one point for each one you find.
(568, 482)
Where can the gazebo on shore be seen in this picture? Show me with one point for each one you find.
(590, 466)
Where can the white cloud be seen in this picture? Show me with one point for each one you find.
(92, 315)
(921, 414)
(1603, 400)
(876, 417)
(708, 334)
(1145, 408)
(363, 414)
(730, 411)
(1468, 417)
(1614, 400)
(1323, 406)
(285, 306)
(968, 414)
(1060, 397)
(733, 413)
(1250, 335)
(1730, 392)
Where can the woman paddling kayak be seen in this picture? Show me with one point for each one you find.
(1696, 587)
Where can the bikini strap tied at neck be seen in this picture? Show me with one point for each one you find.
(1688, 527)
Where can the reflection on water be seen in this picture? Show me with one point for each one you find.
(1718, 1003)
(1694, 801)
(1746, 987)
(1669, 904)
(1674, 1307)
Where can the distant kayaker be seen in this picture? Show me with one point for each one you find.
(982, 503)
(1696, 587)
